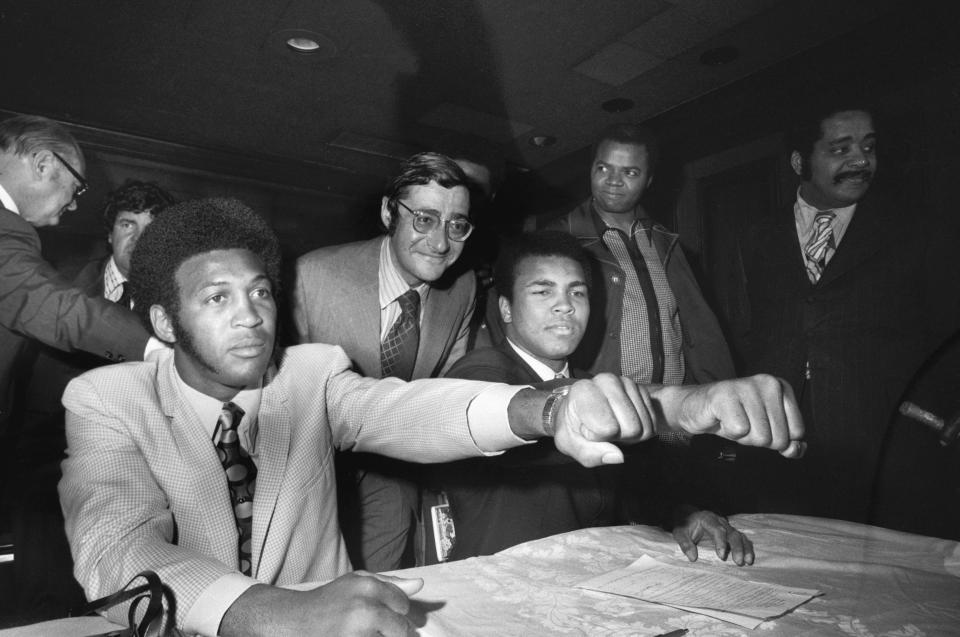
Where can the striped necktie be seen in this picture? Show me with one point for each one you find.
(241, 479)
(820, 241)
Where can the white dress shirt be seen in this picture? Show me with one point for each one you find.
(542, 370)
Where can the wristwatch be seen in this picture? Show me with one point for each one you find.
(552, 407)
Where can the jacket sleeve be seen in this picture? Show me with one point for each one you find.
(705, 349)
(36, 302)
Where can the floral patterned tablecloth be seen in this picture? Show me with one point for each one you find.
(876, 582)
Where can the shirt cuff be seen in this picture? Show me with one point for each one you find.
(206, 614)
(488, 421)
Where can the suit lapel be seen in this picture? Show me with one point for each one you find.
(782, 252)
(273, 449)
(435, 329)
(869, 232)
(522, 368)
(200, 465)
(363, 318)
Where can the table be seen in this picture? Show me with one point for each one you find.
(876, 582)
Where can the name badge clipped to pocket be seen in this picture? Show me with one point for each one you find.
(444, 533)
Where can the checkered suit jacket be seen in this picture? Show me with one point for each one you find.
(142, 487)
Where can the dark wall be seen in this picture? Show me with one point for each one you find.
(309, 204)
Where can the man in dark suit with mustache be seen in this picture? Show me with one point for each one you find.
(840, 305)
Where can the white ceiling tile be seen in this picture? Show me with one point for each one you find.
(617, 64)
(670, 33)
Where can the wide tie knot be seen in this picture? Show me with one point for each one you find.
(231, 416)
(824, 217)
(409, 304)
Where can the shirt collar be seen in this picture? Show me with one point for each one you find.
(392, 284)
(601, 226)
(208, 411)
(112, 279)
(8, 201)
(541, 369)
(808, 212)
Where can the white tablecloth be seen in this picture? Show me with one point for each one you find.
(875, 583)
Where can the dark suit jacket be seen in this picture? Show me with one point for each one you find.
(41, 435)
(527, 493)
(37, 304)
(864, 328)
(336, 301)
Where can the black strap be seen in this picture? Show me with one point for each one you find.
(153, 591)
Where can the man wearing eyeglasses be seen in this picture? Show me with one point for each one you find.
(41, 176)
(397, 309)
(40, 179)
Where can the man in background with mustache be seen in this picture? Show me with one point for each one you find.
(841, 302)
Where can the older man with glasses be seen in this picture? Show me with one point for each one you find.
(41, 176)
(397, 309)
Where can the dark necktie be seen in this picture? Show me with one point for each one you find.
(634, 358)
(398, 352)
(241, 478)
(125, 296)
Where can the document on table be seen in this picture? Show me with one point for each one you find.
(724, 597)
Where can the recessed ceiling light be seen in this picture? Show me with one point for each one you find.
(308, 43)
(617, 105)
(719, 56)
(542, 141)
(303, 45)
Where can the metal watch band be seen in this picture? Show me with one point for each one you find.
(551, 407)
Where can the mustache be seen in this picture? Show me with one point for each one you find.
(866, 175)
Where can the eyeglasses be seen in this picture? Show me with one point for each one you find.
(82, 185)
(426, 221)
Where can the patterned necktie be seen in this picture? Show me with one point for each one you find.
(398, 352)
(241, 478)
(816, 249)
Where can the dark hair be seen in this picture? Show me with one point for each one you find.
(635, 135)
(135, 196)
(190, 228)
(419, 170)
(809, 130)
(542, 243)
(479, 151)
(26, 134)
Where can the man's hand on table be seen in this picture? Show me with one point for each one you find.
(694, 526)
(358, 603)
